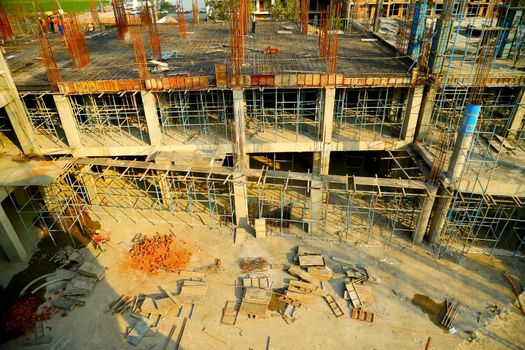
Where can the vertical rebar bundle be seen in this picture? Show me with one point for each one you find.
(121, 20)
(195, 10)
(138, 47)
(237, 25)
(181, 19)
(329, 27)
(76, 42)
(305, 7)
(149, 18)
(94, 14)
(49, 61)
(5, 27)
(486, 55)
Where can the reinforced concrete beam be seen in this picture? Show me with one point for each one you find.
(321, 163)
(316, 198)
(425, 112)
(415, 99)
(424, 216)
(517, 118)
(239, 146)
(240, 197)
(10, 241)
(152, 120)
(67, 118)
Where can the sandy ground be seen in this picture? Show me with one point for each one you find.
(399, 323)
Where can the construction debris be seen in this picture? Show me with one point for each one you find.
(449, 312)
(159, 253)
(230, 312)
(362, 315)
(255, 302)
(259, 264)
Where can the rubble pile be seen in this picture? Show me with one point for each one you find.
(158, 253)
(22, 316)
(258, 264)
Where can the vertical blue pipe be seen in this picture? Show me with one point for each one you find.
(470, 119)
(418, 29)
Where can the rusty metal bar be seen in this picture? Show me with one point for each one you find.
(76, 42)
(121, 19)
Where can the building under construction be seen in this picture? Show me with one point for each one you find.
(370, 142)
(328, 127)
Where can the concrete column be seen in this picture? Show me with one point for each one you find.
(240, 198)
(377, 15)
(241, 159)
(316, 163)
(425, 112)
(327, 130)
(415, 98)
(152, 119)
(68, 120)
(16, 110)
(458, 160)
(517, 119)
(9, 240)
(424, 216)
(441, 39)
(164, 188)
(316, 200)
(440, 217)
(89, 185)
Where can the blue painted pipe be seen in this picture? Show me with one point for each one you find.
(470, 119)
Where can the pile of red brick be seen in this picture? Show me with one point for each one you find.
(159, 253)
(22, 316)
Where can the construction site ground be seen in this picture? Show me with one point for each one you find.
(406, 276)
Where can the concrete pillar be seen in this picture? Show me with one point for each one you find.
(240, 198)
(316, 200)
(9, 240)
(417, 30)
(415, 98)
(377, 15)
(424, 216)
(241, 159)
(517, 118)
(458, 160)
(326, 131)
(440, 217)
(16, 111)
(89, 185)
(152, 119)
(164, 188)
(441, 39)
(425, 112)
(68, 120)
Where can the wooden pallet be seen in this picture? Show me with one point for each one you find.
(230, 312)
(362, 315)
(352, 294)
(336, 309)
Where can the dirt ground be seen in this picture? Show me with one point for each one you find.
(407, 276)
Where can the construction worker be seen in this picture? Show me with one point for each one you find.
(90, 27)
(98, 238)
(254, 20)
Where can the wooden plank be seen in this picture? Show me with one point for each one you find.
(311, 260)
(138, 331)
(230, 312)
(298, 272)
(334, 306)
(354, 297)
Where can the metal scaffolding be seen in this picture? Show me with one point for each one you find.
(288, 113)
(44, 119)
(196, 116)
(378, 112)
(110, 118)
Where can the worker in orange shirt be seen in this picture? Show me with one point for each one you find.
(99, 238)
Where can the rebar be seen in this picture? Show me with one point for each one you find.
(121, 19)
(181, 19)
(94, 14)
(195, 11)
(237, 28)
(149, 18)
(305, 7)
(329, 27)
(138, 47)
(5, 26)
(48, 60)
(76, 41)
